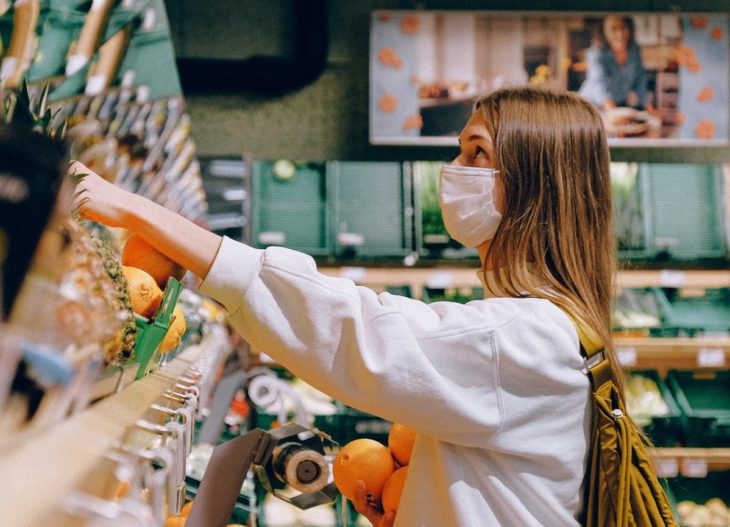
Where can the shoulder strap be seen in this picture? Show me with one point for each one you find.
(597, 366)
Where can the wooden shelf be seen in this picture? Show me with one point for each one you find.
(679, 353)
(690, 461)
(46, 468)
(420, 277)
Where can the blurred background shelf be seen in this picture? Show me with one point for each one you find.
(673, 353)
(716, 459)
(456, 276)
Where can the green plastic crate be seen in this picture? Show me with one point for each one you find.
(704, 399)
(698, 490)
(663, 430)
(678, 209)
(453, 294)
(355, 424)
(693, 315)
(432, 241)
(290, 212)
(370, 209)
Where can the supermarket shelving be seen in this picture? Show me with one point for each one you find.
(69, 454)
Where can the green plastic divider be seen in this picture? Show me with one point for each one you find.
(704, 399)
(151, 332)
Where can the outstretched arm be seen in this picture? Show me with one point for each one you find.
(183, 241)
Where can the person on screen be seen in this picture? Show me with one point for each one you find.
(615, 75)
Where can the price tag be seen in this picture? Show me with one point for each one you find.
(666, 467)
(626, 356)
(356, 274)
(694, 468)
(439, 280)
(669, 278)
(711, 357)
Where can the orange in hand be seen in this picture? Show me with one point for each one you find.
(140, 254)
(366, 460)
(393, 489)
(400, 441)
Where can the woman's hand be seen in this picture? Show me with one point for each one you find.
(373, 513)
(98, 200)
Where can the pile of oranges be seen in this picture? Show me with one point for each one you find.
(383, 469)
(147, 271)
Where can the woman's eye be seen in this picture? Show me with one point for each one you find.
(479, 153)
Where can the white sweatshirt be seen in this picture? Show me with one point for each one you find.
(494, 387)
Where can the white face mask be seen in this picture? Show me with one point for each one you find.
(467, 203)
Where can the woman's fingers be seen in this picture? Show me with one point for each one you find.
(388, 519)
(364, 505)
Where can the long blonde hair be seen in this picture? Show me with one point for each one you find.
(556, 230)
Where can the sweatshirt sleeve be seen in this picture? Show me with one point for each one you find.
(433, 367)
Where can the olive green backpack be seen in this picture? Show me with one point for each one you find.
(622, 488)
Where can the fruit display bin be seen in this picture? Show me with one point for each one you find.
(684, 315)
(698, 490)
(151, 332)
(704, 399)
(663, 430)
(355, 424)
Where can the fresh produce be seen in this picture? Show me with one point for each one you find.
(400, 442)
(144, 293)
(362, 460)
(644, 400)
(94, 273)
(140, 254)
(175, 331)
(393, 489)
(714, 513)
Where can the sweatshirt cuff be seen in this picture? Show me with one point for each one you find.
(233, 271)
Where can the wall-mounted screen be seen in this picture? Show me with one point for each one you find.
(658, 79)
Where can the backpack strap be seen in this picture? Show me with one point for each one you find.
(597, 366)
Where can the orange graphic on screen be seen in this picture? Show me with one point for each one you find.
(388, 103)
(717, 33)
(705, 94)
(414, 122)
(698, 22)
(410, 24)
(705, 129)
(389, 57)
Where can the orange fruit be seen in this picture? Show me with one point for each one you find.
(175, 521)
(174, 332)
(366, 460)
(393, 489)
(144, 294)
(400, 441)
(185, 512)
(140, 254)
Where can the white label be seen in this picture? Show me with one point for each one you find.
(666, 467)
(350, 238)
(272, 238)
(669, 278)
(694, 468)
(149, 20)
(356, 274)
(626, 356)
(441, 279)
(711, 357)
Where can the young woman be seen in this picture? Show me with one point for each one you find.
(615, 75)
(495, 388)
